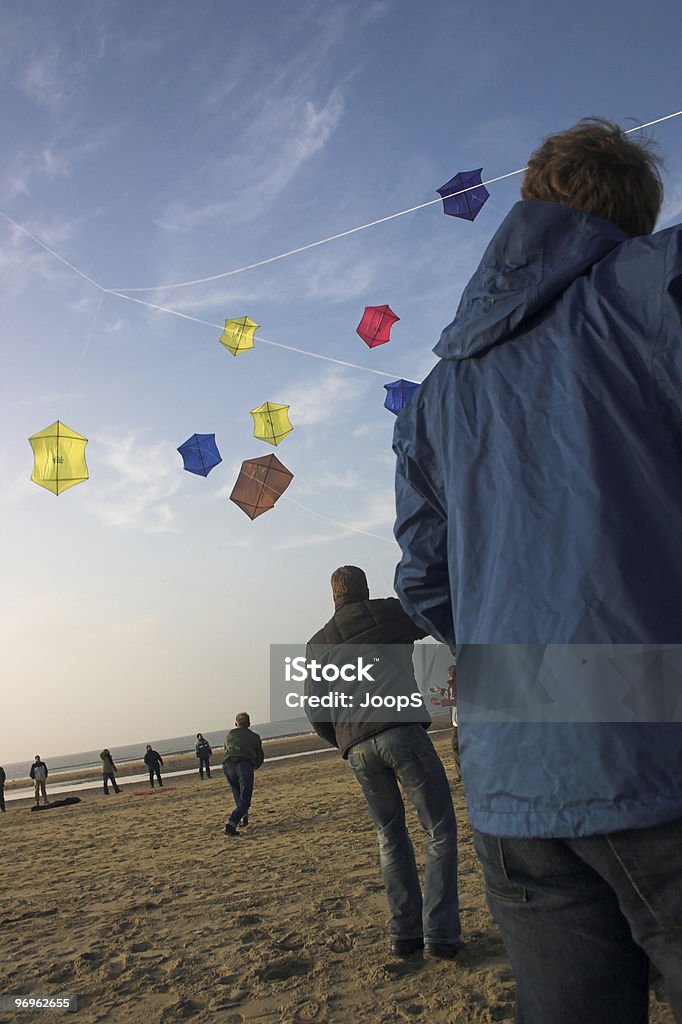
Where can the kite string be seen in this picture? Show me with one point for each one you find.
(361, 227)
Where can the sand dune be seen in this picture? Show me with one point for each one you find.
(151, 915)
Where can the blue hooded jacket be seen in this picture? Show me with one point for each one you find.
(539, 501)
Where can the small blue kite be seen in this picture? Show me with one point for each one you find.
(398, 394)
(468, 204)
(200, 454)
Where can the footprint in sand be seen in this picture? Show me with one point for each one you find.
(308, 1011)
(281, 970)
(340, 943)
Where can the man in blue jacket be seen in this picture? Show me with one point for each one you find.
(539, 496)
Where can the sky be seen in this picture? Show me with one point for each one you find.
(158, 143)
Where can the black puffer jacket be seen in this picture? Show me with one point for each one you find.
(368, 624)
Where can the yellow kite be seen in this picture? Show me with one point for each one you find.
(271, 422)
(59, 458)
(238, 335)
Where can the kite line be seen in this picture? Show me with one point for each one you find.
(352, 231)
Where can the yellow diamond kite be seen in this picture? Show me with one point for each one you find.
(59, 458)
(271, 422)
(238, 335)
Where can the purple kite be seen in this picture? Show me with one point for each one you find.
(466, 205)
(376, 323)
(398, 394)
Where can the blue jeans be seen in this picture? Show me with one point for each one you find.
(405, 754)
(240, 778)
(581, 918)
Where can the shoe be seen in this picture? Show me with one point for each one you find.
(230, 830)
(406, 947)
(442, 950)
(245, 822)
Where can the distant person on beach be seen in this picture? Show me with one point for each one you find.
(449, 695)
(538, 503)
(384, 756)
(153, 760)
(39, 775)
(109, 770)
(3, 777)
(243, 755)
(203, 751)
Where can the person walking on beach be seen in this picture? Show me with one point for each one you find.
(449, 695)
(109, 770)
(385, 754)
(3, 777)
(39, 775)
(538, 503)
(243, 756)
(153, 760)
(203, 751)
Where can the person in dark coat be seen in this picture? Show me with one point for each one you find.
(538, 505)
(386, 750)
(153, 760)
(39, 775)
(3, 777)
(202, 748)
(243, 756)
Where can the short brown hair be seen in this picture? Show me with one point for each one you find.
(594, 167)
(349, 581)
(243, 720)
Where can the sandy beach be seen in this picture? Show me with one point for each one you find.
(144, 909)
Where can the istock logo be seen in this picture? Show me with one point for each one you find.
(297, 670)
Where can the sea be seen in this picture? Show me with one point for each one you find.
(166, 747)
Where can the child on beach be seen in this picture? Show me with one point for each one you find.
(109, 770)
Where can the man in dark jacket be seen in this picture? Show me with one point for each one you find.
(3, 776)
(39, 775)
(153, 760)
(243, 756)
(202, 749)
(385, 749)
(539, 494)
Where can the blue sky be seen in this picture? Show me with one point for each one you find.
(158, 143)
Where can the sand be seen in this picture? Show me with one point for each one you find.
(144, 909)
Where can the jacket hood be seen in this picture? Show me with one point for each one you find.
(539, 249)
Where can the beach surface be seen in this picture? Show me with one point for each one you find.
(141, 907)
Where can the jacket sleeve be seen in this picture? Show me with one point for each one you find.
(325, 730)
(32, 773)
(260, 755)
(667, 350)
(422, 581)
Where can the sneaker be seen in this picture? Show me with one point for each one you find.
(230, 830)
(442, 950)
(406, 947)
(245, 822)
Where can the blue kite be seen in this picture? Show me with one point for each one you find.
(466, 205)
(200, 454)
(398, 394)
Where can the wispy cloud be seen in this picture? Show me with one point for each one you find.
(287, 133)
(141, 480)
(323, 398)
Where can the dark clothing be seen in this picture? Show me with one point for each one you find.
(582, 917)
(38, 764)
(241, 744)
(538, 497)
(153, 760)
(109, 777)
(203, 751)
(366, 622)
(240, 776)
(3, 776)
